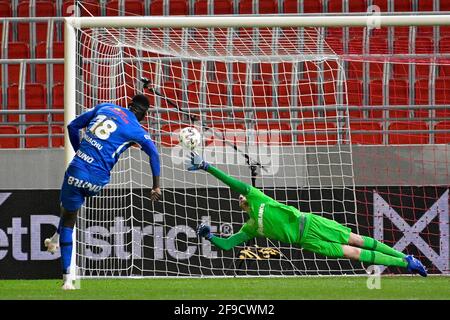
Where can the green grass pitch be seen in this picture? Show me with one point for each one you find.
(406, 287)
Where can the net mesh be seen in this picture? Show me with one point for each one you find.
(271, 105)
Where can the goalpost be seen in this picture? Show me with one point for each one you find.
(270, 98)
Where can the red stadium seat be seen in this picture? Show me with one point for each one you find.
(401, 70)
(378, 45)
(58, 69)
(264, 7)
(355, 97)
(444, 45)
(442, 137)
(58, 101)
(357, 6)
(172, 91)
(444, 5)
(35, 98)
(270, 133)
(423, 45)
(365, 138)
(43, 9)
(17, 50)
(426, 5)
(421, 97)
(398, 95)
(192, 71)
(335, 43)
(403, 6)
(215, 97)
(5, 9)
(376, 70)
(87, 9)
(43, 142)
(132, 8)
(353, 6)
(13, 102)
(219, 7)
(330, 98)
(408, 137)
(355, 69)
(261, 96)
(336, 6)
(317, 133)
(376, 97)
(442, 96)
(176, 7)
(356, 45)
(309, 6)
(306, 97)
(9, 142)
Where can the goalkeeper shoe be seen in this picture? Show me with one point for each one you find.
(415, 266)
(51, 246)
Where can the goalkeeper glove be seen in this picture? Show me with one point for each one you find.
(197, 162)
(204, 231)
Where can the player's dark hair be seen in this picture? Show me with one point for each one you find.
(139, 105)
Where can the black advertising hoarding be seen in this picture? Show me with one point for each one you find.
(411, 218)
(27, 217)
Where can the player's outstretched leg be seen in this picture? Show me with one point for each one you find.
(372, 245)
(377, 258)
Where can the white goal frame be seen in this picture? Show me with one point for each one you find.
(217, 21)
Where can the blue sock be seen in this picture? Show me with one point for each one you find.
(65, 242)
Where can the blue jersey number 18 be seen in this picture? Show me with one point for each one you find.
(103, 127)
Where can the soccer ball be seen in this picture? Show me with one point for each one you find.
(190, 138)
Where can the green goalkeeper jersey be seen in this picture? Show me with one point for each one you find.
(268, 218)
(271, 219)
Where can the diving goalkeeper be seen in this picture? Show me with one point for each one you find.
(276, 221)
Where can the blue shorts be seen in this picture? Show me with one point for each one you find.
(77, 185)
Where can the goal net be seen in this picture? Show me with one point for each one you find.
(275, 107)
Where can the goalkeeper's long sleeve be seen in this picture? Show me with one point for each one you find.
(230, 242)
(234, 184)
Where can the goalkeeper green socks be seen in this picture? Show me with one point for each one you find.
(377, 258)
(375, 245)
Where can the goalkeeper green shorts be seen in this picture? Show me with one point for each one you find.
(325, 236)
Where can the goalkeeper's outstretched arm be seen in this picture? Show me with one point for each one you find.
(223, 243)
(235, 184)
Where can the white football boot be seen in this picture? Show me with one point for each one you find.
(67, 283)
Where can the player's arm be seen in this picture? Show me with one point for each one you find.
(149, 147)
(235, 184)
(79, 123)
(223, 243)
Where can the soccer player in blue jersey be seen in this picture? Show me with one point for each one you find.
(110, 130)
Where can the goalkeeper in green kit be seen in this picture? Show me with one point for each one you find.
(276, 221)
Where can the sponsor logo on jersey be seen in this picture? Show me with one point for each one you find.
(93, 142)
(261, 219)
(83, 184)
(83, 156)
(121, 114)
